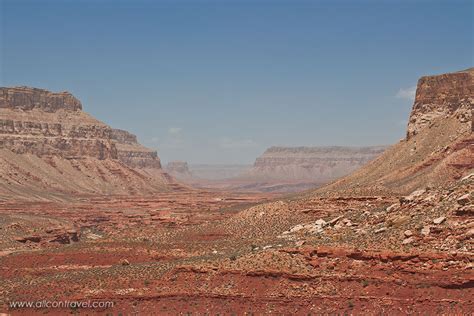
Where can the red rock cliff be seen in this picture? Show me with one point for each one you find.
(443, 95)
(49, 146)
(319, 164)
(132, 153)
(26, 98)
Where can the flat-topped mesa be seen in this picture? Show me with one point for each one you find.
(43, 123)
(320, 151)
(26, 98)
(56, 149)
(441, 96)
(438, 147)
(319, 164)
(132, 153)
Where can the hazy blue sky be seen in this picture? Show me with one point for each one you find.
(220, 81)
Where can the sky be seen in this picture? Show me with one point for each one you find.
(220, 81)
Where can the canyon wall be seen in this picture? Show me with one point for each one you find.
(39, 122)
(438, 148)
(446, 95)
(315, 164)
(132, 153)
(38, 126)
(26, 98)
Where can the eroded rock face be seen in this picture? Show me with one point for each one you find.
(311, 163)
(49, 145)
(26, 98)
(43, 123)
(437, 150)
(440, 96)
(132, 153)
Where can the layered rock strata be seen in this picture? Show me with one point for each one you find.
(446, 95)
(81, 153)
(132, 153)
(438, 148)
(316, 164)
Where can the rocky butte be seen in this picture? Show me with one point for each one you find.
(50, 146)
(442, 96)
(438, 148)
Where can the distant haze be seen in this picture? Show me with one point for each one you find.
(220, 81)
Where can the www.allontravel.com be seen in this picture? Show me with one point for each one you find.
(60, 304)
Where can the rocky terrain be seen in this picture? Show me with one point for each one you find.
(50, 148)
(394, 237)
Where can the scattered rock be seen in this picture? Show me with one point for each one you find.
(425, 231)
(408, 233)
(20, 239)
(463, 200)
(296, 228)
(14, 225)
(439, 220)
(380, 230)
(408, 241)
(320, 222)
(399, 220)
(413, 196)
(469, 176)
(93, 236)
(62, 238)
(299, 243)
(73, 235)
(29, 238)
(469, 234)
(467, 210)
(335, 220)
(392, 207)
(124, 262)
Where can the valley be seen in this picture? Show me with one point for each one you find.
(88, 214)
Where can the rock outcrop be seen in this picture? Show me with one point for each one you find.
(317, 164)
(49, 144)
(26, 98)
(446, 95)
(132, 153)
(42, 123)
(438, 149)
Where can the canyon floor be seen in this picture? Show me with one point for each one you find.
(210, 252)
